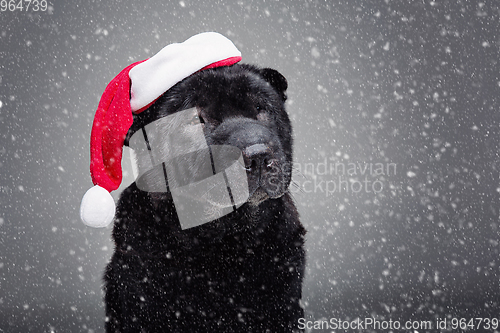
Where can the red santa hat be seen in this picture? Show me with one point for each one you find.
(132, 91)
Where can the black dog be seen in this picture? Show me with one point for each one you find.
(240, 273)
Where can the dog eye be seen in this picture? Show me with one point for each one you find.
(259, 107)
(197, 119)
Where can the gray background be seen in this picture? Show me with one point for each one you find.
(415, 83)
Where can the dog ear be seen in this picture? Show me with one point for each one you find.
(277, 81)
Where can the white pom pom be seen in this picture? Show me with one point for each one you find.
(97, 208)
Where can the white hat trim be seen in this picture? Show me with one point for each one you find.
(151, 78)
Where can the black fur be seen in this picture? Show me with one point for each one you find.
(240, 273)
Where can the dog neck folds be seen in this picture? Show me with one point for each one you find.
(172, 155)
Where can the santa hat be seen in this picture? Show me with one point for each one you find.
(132, 91)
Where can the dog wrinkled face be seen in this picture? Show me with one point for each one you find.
(239, 106)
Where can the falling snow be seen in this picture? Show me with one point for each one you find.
(409, 83)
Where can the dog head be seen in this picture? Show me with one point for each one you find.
(239, 106)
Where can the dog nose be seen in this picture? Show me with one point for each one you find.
(257, 158)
